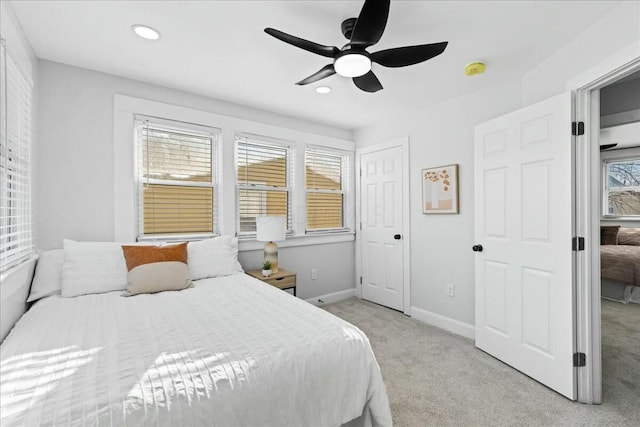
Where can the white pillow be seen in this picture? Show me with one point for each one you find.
(213, 257)
(93, 268)
(47, 280)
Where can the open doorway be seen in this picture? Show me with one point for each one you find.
(619, 141)
(589, 212)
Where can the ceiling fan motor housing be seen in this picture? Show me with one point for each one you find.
(347, 27)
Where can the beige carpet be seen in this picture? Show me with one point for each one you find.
(436, 378)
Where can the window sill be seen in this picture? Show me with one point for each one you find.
(621, 218)
(5, 274)
(294, 241)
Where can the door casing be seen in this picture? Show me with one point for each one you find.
(406, 236)
(587, 220)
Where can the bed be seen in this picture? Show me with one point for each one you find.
(620, 263)
(228, 351)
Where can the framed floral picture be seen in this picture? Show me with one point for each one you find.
(440, 190)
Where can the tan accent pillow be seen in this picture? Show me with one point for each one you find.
(139, 255)
(156, 268)
(158, 277)
(629, 236)
(609, 234)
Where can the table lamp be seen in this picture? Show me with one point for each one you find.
(270, 229)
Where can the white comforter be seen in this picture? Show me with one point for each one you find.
(231, 351)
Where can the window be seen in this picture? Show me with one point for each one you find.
(622, 187)
(326, 174)
(177, 179)
(16, 225)
(263, 169)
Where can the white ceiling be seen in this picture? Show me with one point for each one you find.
(219, 49)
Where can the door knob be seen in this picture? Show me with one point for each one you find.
(477, 248)
(397, 237)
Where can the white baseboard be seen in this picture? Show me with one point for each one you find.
(331, 298)
(443, 322)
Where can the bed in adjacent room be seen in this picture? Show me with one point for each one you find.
(228, 350)
(620, 263)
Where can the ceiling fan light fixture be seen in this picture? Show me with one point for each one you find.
(352, 65)
(145, 32)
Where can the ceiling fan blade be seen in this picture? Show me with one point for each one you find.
(371, 23)
(408, 55)
(607, 146)
(368, 82)
(318, 49)
(324, 72)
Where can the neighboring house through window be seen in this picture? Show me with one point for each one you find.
(326, 174)
(622, 187)
(263, 171)
(177, 179)
(182, 186)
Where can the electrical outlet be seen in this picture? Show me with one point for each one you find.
(314, 274)
(450, 290)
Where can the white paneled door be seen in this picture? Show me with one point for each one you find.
(523, 231)
(381, 217)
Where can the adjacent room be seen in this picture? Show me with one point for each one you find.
(326, 213)
(620, 228)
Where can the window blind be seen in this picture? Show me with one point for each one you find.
(177, 178)
(325, 174)
(263, 170)
(16, 224)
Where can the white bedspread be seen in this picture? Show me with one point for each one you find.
(231, 351)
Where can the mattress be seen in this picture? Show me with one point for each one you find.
(231, 351)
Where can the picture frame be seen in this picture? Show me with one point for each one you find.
(440, 190)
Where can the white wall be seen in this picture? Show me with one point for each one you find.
(77, 170)
(441, 244)
(334, 262)
(617, 31)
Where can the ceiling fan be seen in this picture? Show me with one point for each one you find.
(353, 60)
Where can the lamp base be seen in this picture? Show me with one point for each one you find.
(271, 254)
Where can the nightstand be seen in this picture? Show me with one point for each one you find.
(283, 279)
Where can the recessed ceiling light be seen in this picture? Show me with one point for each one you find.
(146, 32)
(323, 89)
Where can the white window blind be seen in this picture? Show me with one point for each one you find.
(16, 224)
(263, 169)
(177, 179)
(326, 175)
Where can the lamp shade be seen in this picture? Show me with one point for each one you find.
(270, 228)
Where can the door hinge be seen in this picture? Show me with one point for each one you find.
(577, 128)
(361, 280)
(360, 226)
(577, 244)
(360, 172)
(579, 359)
